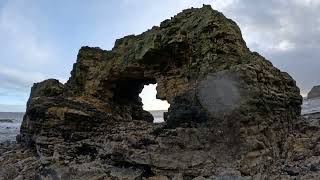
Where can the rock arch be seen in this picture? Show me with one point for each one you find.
(231, 110)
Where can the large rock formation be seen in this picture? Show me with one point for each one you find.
(232, 114)
(314, 93)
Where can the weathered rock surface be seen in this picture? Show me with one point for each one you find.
(314, 93)
(232, 115)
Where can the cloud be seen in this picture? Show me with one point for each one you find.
(284, 45)
(40, 39)
(19, 31)
(15, 88)
(20, 51)
(24, 53)
(285, 32)
(20, 82)
(15, 79)
(308, 3)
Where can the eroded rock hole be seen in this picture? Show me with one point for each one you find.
(150, 103)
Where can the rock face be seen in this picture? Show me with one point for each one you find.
(232, 114)
(314, 93)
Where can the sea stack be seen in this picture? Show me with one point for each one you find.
(232, 113)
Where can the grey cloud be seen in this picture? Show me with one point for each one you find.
(285, 32)
(16, 79)
(265, 25)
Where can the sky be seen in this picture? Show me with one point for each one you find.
(40, 38)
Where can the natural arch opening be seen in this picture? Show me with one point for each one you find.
(150, 103)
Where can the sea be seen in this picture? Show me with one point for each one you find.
(10, 123)
(158, 116)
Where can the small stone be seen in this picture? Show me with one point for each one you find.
(314, 167)
(291, 171)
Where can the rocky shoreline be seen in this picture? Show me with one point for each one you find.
(302, 162)
(232, 114)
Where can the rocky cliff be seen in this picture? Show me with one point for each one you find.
(314, 93)
(232, 114)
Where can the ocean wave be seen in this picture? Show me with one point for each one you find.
(6, 120)
(9, 125)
